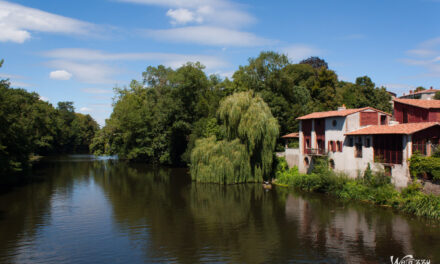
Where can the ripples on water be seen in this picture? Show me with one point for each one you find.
(100, 210)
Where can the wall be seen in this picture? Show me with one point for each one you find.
(414, 114)
(369, 118)
(292, 157)
(434, 115)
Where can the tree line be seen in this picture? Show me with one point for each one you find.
(159, 119)
(30, 126)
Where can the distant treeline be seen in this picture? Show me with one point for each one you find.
(30, 126)
(159, 119)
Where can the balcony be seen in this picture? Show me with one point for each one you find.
(315, 151)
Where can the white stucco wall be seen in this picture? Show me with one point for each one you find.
(346, 161)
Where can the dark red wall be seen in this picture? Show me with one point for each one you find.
(414, 114)
(434, 115)
(388, 148)
(306, 126)
(369, 118)
(419, 139)
(320, 133)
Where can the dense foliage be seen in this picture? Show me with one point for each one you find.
(370, 188)
(246, 153)
(437, 96)
(32, 126)
(425, 167)
(159, 120)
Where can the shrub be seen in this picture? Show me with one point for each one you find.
(374, 188)
(421, 166)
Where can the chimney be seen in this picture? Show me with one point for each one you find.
(410, 92)
(431, 88)
(342, 108)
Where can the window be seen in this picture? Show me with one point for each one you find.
(307, 143)
(334, 123)
(358, 151)
(332, 164)
(358, 148)
(350, 141)
(331, 146)
(367, 142)
(339, 146)
(383, 119)
(306, 161)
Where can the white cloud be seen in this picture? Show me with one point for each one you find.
(168, 59)
(87, 72)
(426, 56)
(182, 16)
(85, 109)
(298, 52)
(213, 12)
(60, 75)
(208, 35)
(17, 22)
(15, 80)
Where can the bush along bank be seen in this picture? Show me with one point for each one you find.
(374, 188)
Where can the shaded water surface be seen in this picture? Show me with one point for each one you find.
(87, 210)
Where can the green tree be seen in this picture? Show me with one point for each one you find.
(315, 62)
(437, 96)
(246, 155)
(419, 89)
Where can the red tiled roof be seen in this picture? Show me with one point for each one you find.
(406, 129)
(424, 91)
(291, 135)
(420, 103)
(338, 113)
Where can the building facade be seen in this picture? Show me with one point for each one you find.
(424, 95)
(354, 139)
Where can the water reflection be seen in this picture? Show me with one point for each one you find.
(92, 210)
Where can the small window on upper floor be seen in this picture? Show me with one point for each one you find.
(339, 146)
(383, 119)
(367, 142)
(350, 141)
(334, 123)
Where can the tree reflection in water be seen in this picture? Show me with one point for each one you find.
(169, 218)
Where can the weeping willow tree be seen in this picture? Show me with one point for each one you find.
(246, 154)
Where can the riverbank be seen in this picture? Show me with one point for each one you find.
(372, 188)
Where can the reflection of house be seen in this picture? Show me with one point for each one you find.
(424, 94)
(354, 138)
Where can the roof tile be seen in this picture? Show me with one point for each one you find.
(406, 129)
(420, 103)
(338, 113)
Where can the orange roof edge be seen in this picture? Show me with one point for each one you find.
(405, 129)
(420, 103)
(335, 113)
(291, 135)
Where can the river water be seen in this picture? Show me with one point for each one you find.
(81, 209)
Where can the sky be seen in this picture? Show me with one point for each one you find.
(80, 50)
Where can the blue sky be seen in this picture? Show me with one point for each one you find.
(79, 50)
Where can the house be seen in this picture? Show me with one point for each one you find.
(416, 110)
(354, 139)
(424, 94)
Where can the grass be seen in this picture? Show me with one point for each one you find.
(372, 187)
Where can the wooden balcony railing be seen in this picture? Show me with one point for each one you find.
(315, 151)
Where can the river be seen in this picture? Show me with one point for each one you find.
(82, 209)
